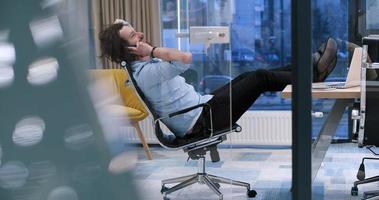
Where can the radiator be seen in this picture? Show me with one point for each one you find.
(258, 128)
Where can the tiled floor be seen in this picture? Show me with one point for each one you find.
(268, 170)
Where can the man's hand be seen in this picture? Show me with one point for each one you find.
(142, 49)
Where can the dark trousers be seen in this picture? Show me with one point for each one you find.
(240, 94)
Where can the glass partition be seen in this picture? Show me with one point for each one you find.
(260, 38)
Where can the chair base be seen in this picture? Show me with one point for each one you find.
(371, 194)
(212, 181)
(368, 194)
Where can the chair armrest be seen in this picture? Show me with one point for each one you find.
(188, 109)
(374, 65)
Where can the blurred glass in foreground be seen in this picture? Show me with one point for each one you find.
(52, 144)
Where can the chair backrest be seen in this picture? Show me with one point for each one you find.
(128, 95)
(166, 140)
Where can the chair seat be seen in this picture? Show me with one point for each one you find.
(126, 112)
(170, 141)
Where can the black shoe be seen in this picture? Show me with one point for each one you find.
(324, 60)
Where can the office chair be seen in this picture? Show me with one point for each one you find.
(195, 147)
(362, 140)
(362, 180)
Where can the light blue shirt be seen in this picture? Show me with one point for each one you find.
(168, 92)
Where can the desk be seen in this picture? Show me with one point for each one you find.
(343, 98)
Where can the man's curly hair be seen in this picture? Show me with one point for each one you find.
(113, 47)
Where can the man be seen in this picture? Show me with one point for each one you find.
(157, 72)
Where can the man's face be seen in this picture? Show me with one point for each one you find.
(129, 34)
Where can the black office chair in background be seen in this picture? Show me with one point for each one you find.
(361, 176)
(195, 147)
(367, 121)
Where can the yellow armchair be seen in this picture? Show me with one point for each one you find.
(131, 106)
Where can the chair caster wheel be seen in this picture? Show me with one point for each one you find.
(251, 193)
(354, 191)
(217, 185)
(164, 189)
(166, 198)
